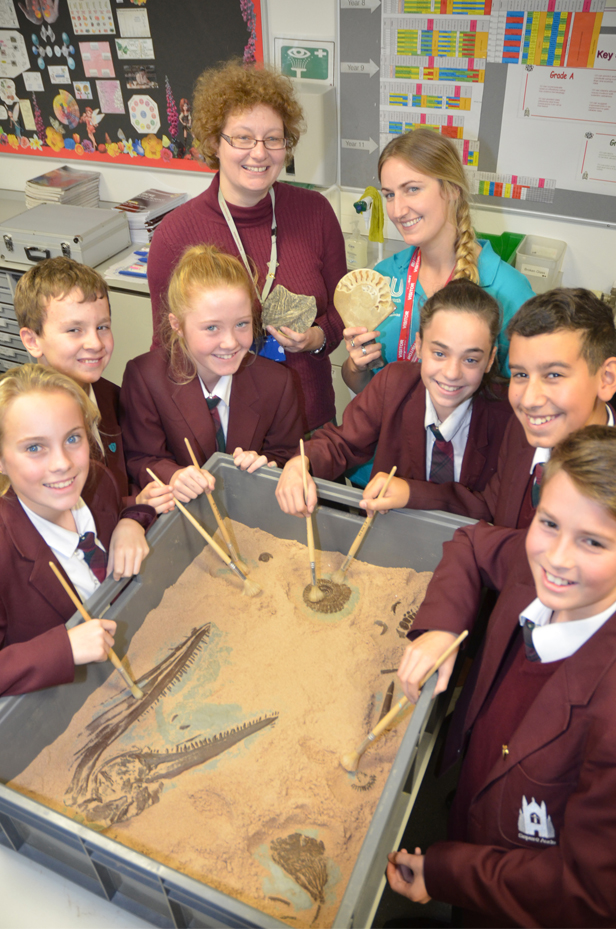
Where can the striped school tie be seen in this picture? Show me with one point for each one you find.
(94, 557)
(441, 466)
(536, 485)
(212, 403)
(529, 648)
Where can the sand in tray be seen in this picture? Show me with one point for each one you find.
(232, 773)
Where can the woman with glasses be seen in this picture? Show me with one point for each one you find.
(248, 122)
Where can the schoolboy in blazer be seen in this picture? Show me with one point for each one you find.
(62, 307)
(158, 413)
(532, 834)
(34, 645)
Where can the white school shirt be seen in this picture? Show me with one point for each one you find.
(454, 429)
(223, 391)
(542, 455)
(553, 641)
(64, 542)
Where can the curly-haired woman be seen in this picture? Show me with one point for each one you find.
(248, 122)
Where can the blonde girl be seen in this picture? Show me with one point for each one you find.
(427, 198)
(55, 505)
(204, 383)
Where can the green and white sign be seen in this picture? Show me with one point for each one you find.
(306, 60)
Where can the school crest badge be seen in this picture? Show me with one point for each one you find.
(535, 824)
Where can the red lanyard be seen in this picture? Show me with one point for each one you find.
(404, 353)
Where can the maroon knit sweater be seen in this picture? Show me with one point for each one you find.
(311, 260)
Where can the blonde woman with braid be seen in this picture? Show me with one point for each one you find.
(426, 196)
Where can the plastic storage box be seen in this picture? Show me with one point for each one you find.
(541, 260)
(157, 893)
(505, 245)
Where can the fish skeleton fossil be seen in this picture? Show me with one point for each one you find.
(128, 783)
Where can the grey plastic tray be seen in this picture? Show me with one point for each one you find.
(28, 723)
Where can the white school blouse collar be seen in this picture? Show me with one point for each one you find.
(62, 540)
(222, 389)
(542, 455)
(454, 422)
(554, 641)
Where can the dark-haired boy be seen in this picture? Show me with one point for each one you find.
(533, 826)
(562, 356)
(62, 308)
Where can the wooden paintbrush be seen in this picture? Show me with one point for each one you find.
(314, 594)
(113, 658)
(251, 588)
(338, 576)
(221, 523)
(350, 761)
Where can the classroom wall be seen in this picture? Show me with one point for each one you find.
(591, 257)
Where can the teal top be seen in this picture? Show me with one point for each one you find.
(499, 279)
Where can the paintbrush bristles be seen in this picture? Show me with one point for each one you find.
(350, 762)
(315, 594)
(251, 588)
(338, 576)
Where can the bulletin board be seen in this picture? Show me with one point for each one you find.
(526, 90)
(112, 80)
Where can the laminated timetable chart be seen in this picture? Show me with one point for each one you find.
(451, 127)
(554, 33)
(454, 70)
(512, 186)
(437, 38)
(449, 109)
(431, 96)
(444, 7)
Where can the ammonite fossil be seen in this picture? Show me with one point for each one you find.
(336, 596)
(363, 298)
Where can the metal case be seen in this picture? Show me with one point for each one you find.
(52, 229)
(28, 723)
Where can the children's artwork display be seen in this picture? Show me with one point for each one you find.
(93, 80)
(229, 767)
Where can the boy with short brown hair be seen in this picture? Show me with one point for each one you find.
(62, 308)
(533, 828)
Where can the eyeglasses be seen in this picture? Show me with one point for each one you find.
(272, 143)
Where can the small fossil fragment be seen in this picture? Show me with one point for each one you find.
(378, 622)
(395, 605)
(363, 781)
(265, 556)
